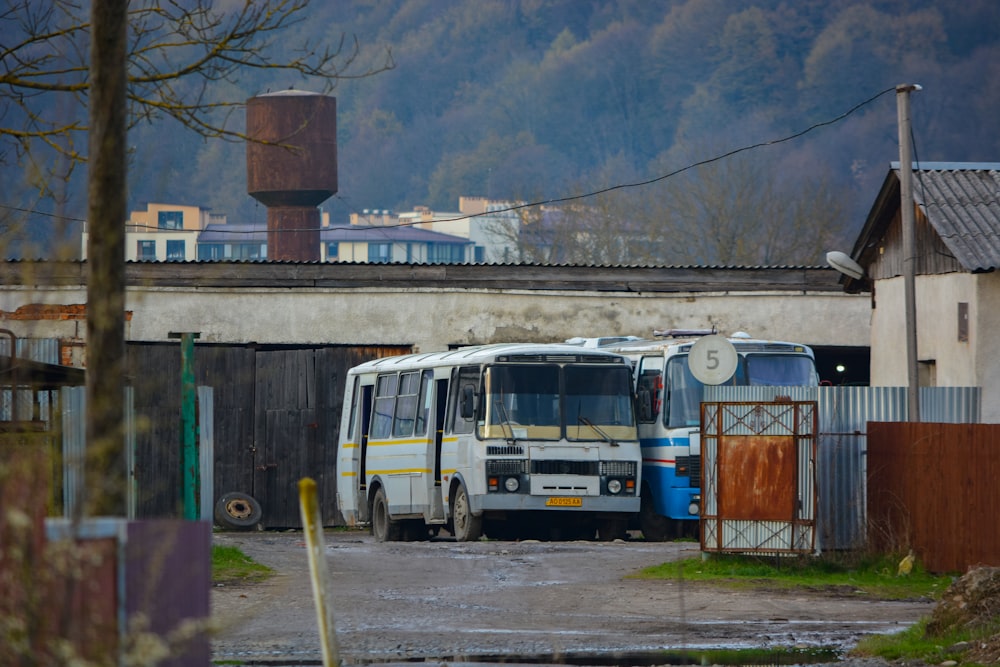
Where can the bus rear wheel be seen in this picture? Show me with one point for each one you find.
(465, 526)
(384, 527)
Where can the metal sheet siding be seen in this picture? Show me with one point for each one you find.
(73, 418)
(841, 460)
(933, 489)
(206, 452)
(45, 350)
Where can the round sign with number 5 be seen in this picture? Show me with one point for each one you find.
(712, 359)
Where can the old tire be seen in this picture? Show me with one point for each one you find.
(384, 527)
(465, 526)
(238, 511)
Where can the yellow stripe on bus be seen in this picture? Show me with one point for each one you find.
(381, 443)
(400, 471)
(384, 443)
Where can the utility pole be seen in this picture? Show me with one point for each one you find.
(909, 246)
(106, 476)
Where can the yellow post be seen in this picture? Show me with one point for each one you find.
(313, 526)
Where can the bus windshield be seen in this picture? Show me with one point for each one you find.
(599, 403)
(685, 392)
(524, 401)
(780, 370)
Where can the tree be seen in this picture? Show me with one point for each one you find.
(740, 211)
(126, 63)
(177, 54)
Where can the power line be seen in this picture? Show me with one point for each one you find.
(557, 200)
(671, 174)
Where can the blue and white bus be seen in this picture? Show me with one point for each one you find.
(507, 441)
(668, 411)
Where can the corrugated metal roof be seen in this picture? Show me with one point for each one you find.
(962, 203)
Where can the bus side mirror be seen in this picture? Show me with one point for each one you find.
(468, 403)
(644, 405)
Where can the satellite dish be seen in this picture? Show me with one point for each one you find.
(843, 263)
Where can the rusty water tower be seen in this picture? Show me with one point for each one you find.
(292, 167)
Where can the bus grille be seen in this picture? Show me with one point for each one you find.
(693, 465)
(558, 467)
(618, 468)
(504, 450)
(505, 466)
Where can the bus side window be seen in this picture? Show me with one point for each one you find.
(406, 404)
(385, 399)
(351, 434)
(459, 418)
(649, 394)
(426, 398)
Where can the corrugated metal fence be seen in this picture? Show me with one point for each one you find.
(73, 404)
(841, 465)
(933, 488)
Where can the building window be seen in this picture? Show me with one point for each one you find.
(146, 250)
(480, 254)
(445, 253)
(175, 251)
(208, 251)
(170, 220)
(247, 251)
(332, 251)
(379, 253)
(963, 321)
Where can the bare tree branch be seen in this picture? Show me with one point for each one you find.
(176, 52)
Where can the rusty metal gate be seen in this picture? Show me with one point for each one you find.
(759, 477)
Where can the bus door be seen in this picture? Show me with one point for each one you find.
(434, 398)
(363, 416)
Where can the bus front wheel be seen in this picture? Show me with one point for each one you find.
(384, 527)
(465, 526)
(655, 527)
(612, 529)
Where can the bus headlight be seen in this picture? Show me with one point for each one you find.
(511, 484)
(694, 508)
(614, 486)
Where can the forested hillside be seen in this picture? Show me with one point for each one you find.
(535, 100)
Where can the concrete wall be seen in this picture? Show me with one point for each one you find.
(944, 361)
(433, 318)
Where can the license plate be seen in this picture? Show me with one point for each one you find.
(564, 502)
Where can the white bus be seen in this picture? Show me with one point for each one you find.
(668, 411)
(506, 440)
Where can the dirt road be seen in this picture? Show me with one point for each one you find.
(445, 600)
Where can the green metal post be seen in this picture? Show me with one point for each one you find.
(190, 465)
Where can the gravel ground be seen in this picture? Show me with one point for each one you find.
(531, 602)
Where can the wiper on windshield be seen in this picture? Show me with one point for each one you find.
(505, 421)
(586, 422)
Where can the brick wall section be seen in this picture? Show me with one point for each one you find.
(48, 311)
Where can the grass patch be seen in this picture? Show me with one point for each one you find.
(869, 576)
(230, 565)
(914, 644)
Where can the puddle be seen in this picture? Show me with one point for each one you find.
(728, 657)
